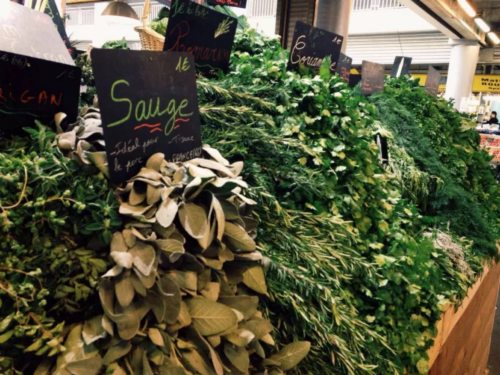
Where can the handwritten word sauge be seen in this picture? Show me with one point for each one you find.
(145, 110)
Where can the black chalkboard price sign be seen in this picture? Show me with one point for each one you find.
(230, 3)
(148, 104)
(344, 67)
(34, 89)
(206, 33)
(372, 80)
(401, 66)
(310, 46)
(27, 32)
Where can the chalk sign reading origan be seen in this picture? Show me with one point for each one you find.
(24, 31)
(34, 89)
(148, 105)
(372, 80)
(344, 67)
(206, 33)
(231, 3)
(432, 82)
(401, 66)
(311, 45)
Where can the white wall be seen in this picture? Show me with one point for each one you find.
(387, 21)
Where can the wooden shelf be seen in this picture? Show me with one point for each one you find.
(464, 336)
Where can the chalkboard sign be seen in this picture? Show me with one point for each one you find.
(30, 33)
(231, 3)
(344, 67)
(206, 33)
(310, 46)
(52, 11)
(148, 105)
(372, 78)
(354, 79)
(34, 89)
(432, 82)
(401, 66)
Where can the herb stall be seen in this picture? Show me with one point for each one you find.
(285, 247)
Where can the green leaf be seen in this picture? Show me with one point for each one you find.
(6, 336)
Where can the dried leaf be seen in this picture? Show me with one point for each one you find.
(210, 318)
(255, 280)
(238, 356)
(116, 352)
(220, 218)
(135, 211)
(88, 366)
(185, 280)
(247, 305)
(240, 337)
(193, 219)
(292, 354)
(153, 194)
(124, 289)
(118, 243)
(115, 271)
(155, 162)
(143, 257)
(122, 259)
(172, 297)
(93, 330)
(238, 238)
(166, 212)
(173, 248)
(259, 327)
(211, 291)
(215, 154)
(156, 337)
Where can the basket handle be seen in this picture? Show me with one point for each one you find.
(145, 13)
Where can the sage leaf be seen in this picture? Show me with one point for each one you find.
(238, 238)
(210, 318)
(255, 280)
(291, 354)
(88, 366)
(238, 356)
(116, 352)
(193, 219)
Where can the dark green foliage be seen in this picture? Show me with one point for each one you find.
(442, 144)
(348, 268)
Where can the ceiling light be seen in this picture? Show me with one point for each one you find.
(120, 8)
(468, 9)
(482, 25)
(494, 38)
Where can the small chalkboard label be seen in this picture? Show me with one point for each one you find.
(230, 3)
(432, 82)
(206, 33)
(34, 89)
(372, 78)
(149, 104)
(310, 46)
(344, 67)
(27, 32)
(401, 66)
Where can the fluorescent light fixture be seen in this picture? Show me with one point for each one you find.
(482, 25)
(468, 9)
(494, 38)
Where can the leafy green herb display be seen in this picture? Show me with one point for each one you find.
(166, 274)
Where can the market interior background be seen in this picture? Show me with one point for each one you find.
(431, 32)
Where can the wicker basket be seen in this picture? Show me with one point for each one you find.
(150, 39)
